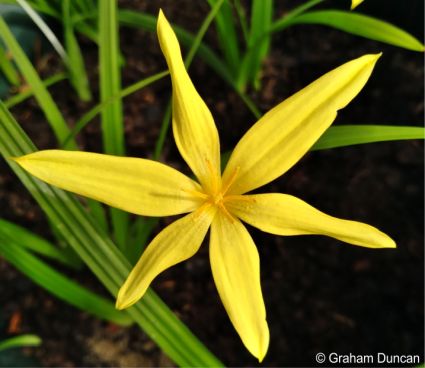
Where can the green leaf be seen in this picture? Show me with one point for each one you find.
(29, 240)
(45, 29)
(101, 255)
(19, 341)
(111, 115)
(59, 285)
(8, 69)
(361, 25)
(283, 22)
(75, 64)
(259, 41)
(22, 96)
(226, 32)
(43, 97)
(94, 111)
(348, 135)
(110, 79)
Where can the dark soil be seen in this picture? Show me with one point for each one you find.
(321, 295)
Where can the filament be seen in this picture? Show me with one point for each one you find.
(231, 180)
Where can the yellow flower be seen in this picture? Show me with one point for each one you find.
(219, 202)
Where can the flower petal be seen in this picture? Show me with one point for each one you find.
(193, 125)
(176, 243)
(236, 269)
(355, 3)
(282, 214)
(135, 185)
(283, 135)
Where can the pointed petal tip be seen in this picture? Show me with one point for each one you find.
(355, 4)
(382, 240)
(123, 302)
(161, 16)
(263, 343)
(390, 243)
(372, 58)
(162, 21)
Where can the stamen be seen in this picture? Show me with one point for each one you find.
(195, 193)
(201, 210)
(213, 175)
(226, 213)
(231, 180)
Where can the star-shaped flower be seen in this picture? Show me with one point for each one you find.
(219, 202)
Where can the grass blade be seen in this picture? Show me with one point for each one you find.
(8, 69)
(24, 238)
(102, 256)
(348, 135)
(60, 286)
(251, 60)
(20, 341)
(45, 7)
(110, 79)
(93, 112)
(43, 97)
(259, 40)
(227, 36)
(240, 10)
(75, 64)
(111, 115)
(283, 22)
(362, 25)
(27, 93)
(45, 29)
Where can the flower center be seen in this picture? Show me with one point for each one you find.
(219, 197)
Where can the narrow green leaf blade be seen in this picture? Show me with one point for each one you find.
(110, 79)
(284, 21)
(59, 285)
(362, 25)
(259, 39)
(348, 135)
(23, 95)
(45, 29)
(8, 69)
(75, 64)
(29, 240)
(95, 110)
(43, 97)
(20, 341)
(111, 115)
(226, 31)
